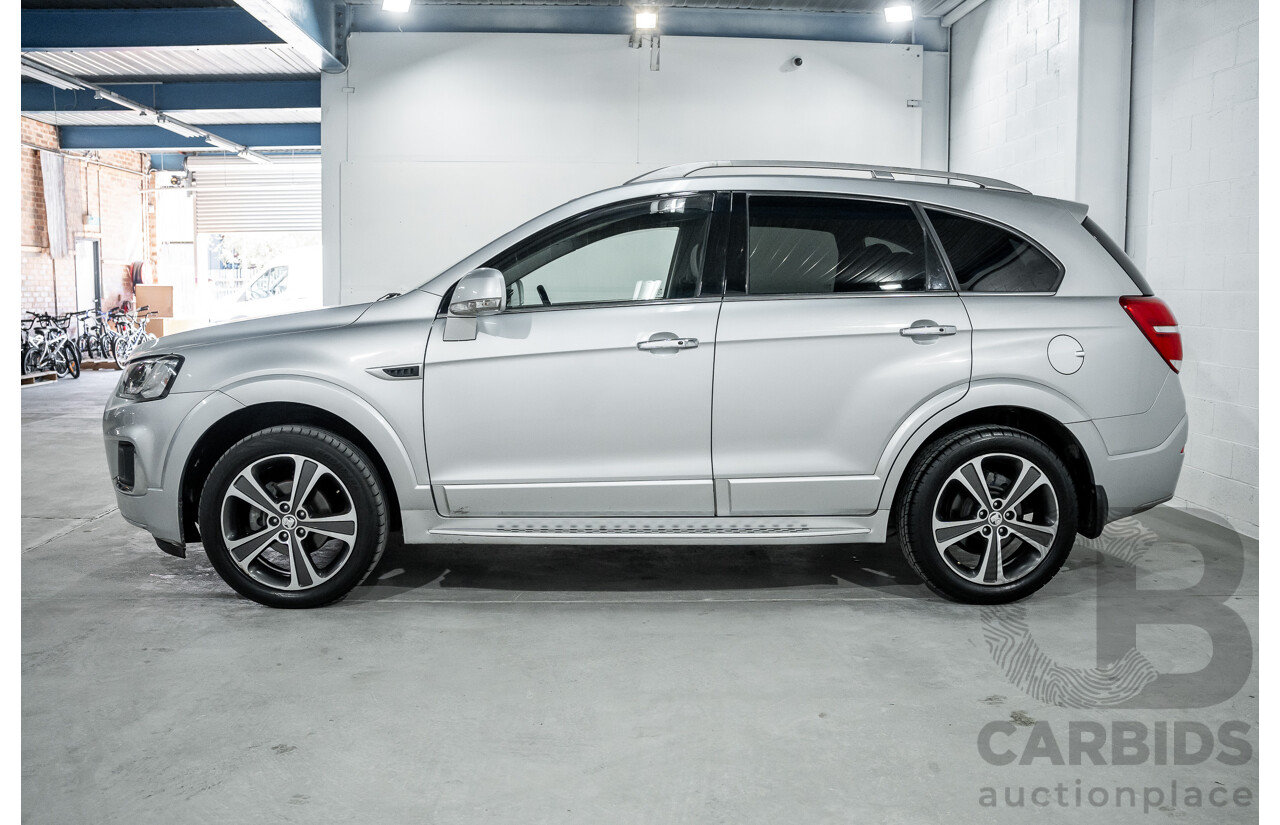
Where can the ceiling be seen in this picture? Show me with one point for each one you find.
(193, 49)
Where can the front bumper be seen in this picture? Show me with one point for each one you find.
(160, 435)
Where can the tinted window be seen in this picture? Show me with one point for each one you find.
(987, 258)
(642, 251)
(827, 245)
(1118, 255)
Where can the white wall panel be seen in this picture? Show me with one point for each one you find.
(416, 219)
(1193, 205)
(434, 144)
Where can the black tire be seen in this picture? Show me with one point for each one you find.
(931, 488)
(360, 492)
(29, 360)
(120, 350)
(72, 356)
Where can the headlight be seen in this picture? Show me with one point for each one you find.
(149, 378)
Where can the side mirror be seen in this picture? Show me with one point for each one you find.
(480, 292)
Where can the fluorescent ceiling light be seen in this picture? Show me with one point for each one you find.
(396, 5)
(249, 154)
(36, 73)
(899, 13)
(223, 143)
(178, 127)
(646, 20)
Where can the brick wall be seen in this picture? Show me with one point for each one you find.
(1013, 70)
(125, 232)
(1193, 229)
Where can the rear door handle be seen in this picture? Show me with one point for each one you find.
(927, 330)
(667, 341)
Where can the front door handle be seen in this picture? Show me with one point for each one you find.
(927, 329)
(667, 341)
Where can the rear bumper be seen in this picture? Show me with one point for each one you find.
(1138, 480)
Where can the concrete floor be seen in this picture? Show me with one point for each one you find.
(528, 685)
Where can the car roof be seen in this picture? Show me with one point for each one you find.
(818, 168)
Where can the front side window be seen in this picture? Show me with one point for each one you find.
(642, 251)
(987, 258)
(806, 245)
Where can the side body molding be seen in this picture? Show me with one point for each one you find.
(412, 487)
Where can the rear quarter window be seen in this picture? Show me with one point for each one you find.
(987, 258)
(1118, 255)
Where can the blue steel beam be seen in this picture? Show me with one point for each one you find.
(848, 27)
(153, 138)
(173, 161)
(63, 29)
(236, 94)
(310, 26)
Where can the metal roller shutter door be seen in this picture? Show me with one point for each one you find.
(235, 195)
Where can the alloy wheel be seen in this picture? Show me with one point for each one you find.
(995, 519)
(289, 522)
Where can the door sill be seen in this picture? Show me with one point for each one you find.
(426, 527)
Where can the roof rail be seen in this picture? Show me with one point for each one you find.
(684, 170)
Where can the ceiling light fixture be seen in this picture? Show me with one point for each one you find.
(898, 13)
(36, 73)
(396, 5)
(178, 127)
(646, 20)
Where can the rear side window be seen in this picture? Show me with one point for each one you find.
(987, 258)
(815, 246)
(1118, 255)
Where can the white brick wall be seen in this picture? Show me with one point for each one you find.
(1193, 227)
(1013, 106)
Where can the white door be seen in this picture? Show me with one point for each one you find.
(87, 288)
(591, 394)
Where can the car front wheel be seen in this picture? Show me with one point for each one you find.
(293, 516)
(989, 515)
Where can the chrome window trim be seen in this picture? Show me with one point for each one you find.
(700, 299)
(827, 296)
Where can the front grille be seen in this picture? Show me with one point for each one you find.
(124, 466)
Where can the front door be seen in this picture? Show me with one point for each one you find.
(591, 394)
(841, 322)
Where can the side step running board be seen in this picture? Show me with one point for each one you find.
(665, 532)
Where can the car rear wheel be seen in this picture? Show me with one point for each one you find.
(989, 515)
(293, 516)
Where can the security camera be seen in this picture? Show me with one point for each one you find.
(797, 62)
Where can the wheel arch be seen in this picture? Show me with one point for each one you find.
(1024, 413)
(229, 429)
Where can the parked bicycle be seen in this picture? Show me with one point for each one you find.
(48, 346)
(94, 336)
(131, 329)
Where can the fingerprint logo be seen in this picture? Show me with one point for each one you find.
(1015, 650)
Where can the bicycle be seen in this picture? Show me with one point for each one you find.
(49, 346)
(132, 330)
(95, 337)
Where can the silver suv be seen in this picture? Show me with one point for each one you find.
(715, 353)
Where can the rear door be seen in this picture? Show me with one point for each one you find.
(839, 321)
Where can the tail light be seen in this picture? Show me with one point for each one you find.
(1156, 321)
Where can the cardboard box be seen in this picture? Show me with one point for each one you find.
(161, 327)
(156, 296)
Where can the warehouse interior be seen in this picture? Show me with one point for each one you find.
(208, 161)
